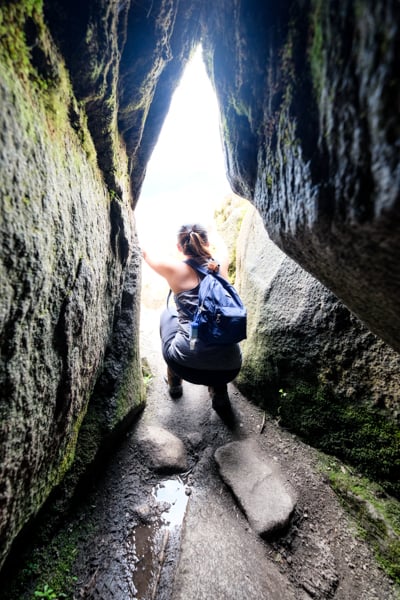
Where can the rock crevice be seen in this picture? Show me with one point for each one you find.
(308, 94)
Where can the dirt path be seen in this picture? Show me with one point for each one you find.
(131, 554)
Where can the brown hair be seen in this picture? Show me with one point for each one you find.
(194, 241)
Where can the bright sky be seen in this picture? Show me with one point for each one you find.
(185, 179)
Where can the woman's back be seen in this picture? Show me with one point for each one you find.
(199, 363)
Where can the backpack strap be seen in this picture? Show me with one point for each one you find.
(224, 282)
(204, 271)
(198, 268)
(168, 297)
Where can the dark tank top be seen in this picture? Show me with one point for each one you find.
(203, 356)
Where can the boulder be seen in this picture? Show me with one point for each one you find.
(308, 359)
(311, 136)
(165, 451)
(261, 490)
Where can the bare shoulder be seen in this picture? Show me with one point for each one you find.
(223, 267)
(177, 273)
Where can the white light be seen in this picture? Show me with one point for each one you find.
(185, 178)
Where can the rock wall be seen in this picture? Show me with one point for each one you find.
(125, 60)
(84, 89)
(313, 364)
(69, 278)
(309, 94)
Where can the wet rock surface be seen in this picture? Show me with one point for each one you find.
(221, 556)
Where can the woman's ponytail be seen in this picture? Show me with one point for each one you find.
(194, 241)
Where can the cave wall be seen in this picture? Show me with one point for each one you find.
(312, 364)
(309, 93)
(64, 278)
(125, 61)
(84, 91)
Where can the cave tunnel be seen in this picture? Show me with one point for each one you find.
(308, 94)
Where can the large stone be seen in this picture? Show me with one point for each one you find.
(165, 452)
(266, 497)
(69, 278)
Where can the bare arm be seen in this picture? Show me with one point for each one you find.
(178, 275)
(162, 266)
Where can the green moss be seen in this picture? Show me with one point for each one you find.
(69, 452)
(90, 435)
(131, 393)
(228, 218)
(361, 435)
(258, 376)
(377, 515)
(45, 89)
(57, 473)
(14, 49)
(49, 563)
(147, 374)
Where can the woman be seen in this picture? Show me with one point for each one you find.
(211, 365)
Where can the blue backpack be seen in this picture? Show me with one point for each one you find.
(220, 317)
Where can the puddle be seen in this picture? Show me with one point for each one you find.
(146, 551)
(173, 492)
(152, 541)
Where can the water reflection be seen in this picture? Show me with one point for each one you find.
(172, 491)
(150, 541)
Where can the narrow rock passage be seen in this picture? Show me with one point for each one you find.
(220, 556)
(129, 553)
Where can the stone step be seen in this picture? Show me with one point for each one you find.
(265, 496)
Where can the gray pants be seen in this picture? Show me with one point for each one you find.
(168, 329)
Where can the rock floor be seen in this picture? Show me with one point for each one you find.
(132, 554)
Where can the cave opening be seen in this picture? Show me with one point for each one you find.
(185, 177)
